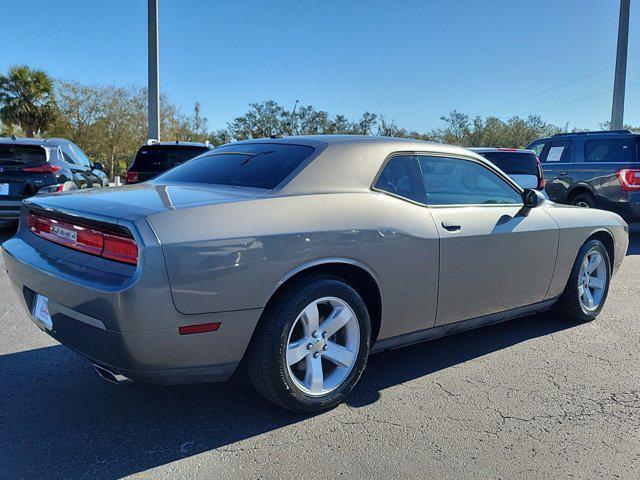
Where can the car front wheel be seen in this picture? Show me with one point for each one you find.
(311, 346)
(588, 285)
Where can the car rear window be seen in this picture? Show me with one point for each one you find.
(22, 155)
(513, 163)
(256, 165)
(158, 158)
(610, 150)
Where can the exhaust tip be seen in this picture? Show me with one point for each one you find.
(110, 376)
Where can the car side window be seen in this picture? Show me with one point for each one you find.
(537, 147)
(556, 152)
(401, 176)
(609, 150)
(79, 155)
(67, 157)
(454, 181)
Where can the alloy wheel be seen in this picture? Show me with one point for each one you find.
(592, 280)
(322, 346)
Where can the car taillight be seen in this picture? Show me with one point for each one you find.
(118, 248)
(46, 168)
(111, 245)
(541, 182)
(629, 178)
(132, 177)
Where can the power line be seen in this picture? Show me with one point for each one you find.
(562, 85)
(580, 99)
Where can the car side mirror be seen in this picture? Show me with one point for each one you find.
(98, 166)
(532, 198)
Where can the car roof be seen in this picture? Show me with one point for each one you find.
(23, 141)
(175, 144)
(350, 163)
(590, 134)
(498, 149)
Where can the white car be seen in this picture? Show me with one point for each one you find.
(520, 164)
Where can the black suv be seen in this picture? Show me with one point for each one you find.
(593, 169)
(33, 166)
(156, 157)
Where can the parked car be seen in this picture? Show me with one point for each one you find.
(593, 169)
(31, 166)
(74, 155)
(302, 255)
(520, 164)
(155, 157)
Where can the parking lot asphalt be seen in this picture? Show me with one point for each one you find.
(536, 397)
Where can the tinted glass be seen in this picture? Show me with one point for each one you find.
(22, 155)
(257, 165)
(611, 150)
(450, 181)
(401, 176)
(514, 163)
(158, 158)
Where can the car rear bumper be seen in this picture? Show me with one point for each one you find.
(111, 329)
(10, 209)
(628, 207)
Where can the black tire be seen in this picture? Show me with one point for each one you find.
(584, 200)
(266, 359)
(569, 304)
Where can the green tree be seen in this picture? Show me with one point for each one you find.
(27, 100)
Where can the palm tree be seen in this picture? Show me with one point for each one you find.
(27, 100)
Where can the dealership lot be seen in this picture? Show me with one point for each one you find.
(533, 397)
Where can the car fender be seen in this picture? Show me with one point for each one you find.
(582, 186)
(326, 261)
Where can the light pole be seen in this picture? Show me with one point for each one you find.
(154, 72)
(617, 109)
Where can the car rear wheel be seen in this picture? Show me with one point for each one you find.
(588, 285)
(311, 346)
(585, 200)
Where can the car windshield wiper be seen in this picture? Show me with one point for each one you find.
(248, 159)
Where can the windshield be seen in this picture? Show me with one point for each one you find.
(513, 163)
(255, 165)
(158, 158)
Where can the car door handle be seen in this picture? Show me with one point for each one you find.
(451, 225)
(563, 173)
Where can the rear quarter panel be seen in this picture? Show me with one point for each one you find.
(233, 256)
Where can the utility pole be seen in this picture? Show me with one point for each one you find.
(154, 72)
(617, 109)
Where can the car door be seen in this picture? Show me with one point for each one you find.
(494, 255)
(558, 168)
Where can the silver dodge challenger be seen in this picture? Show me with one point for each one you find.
(297, 258)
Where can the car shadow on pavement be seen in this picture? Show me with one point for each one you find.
(61, 421)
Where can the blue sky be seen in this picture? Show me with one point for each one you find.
(411, 61)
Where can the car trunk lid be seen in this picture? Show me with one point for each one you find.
(132, 202)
